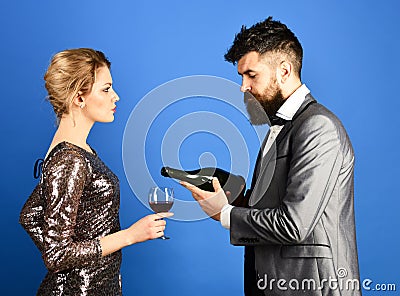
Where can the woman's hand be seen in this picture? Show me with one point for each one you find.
(149, 227)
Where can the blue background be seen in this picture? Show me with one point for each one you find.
(351, 64)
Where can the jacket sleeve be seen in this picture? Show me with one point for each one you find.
(64, 179)
(313, 172)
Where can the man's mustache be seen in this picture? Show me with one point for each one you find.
(248, 97)
(256, 111)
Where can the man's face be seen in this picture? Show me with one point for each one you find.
(263, 96)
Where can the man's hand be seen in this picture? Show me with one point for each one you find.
(210, 202)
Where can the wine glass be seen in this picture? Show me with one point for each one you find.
(161, 200)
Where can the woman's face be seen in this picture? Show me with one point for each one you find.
(100, 102)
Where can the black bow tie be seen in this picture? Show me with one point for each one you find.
(275, 120)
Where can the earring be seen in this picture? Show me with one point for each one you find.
(81, 105)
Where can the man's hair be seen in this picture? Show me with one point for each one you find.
(267, 36)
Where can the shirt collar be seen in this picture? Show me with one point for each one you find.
(293, 103)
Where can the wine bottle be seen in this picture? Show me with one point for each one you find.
(203, 177)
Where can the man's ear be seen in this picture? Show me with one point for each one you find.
(284, 71)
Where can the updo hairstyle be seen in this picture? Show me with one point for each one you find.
(69, 72)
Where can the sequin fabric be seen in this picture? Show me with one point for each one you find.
(75, 203)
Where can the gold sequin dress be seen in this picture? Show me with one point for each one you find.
(75, 204)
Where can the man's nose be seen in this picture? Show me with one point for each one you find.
(245, 86)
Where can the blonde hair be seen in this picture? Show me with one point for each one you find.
(69, 72)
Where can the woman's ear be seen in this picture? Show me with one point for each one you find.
(78, 100)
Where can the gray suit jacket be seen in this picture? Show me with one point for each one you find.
(299, 227)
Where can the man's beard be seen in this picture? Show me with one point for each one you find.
(262, 106)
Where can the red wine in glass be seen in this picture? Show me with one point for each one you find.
(161, 200)
(161, 206)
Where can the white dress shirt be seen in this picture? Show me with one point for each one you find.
(286, 111)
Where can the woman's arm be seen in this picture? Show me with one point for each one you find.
(31, 217)
(64, 178)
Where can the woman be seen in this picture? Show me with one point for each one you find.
(73, 213)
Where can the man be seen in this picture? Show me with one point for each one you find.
(298, 226)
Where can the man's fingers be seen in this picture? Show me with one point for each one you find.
(186, 185)
(195, 190)
(216, 184)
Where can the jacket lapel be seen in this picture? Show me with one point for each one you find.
(264, 176)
